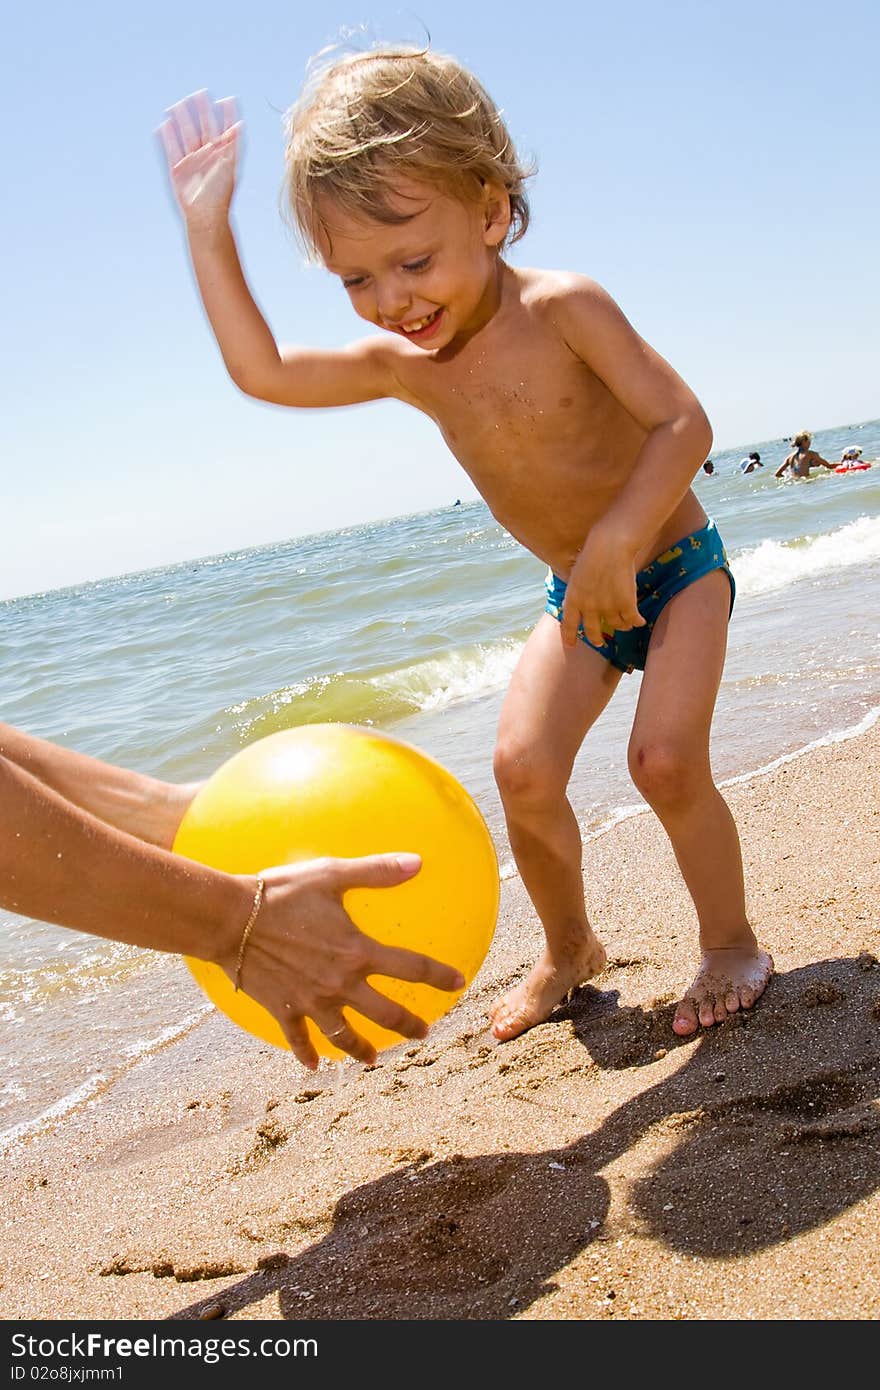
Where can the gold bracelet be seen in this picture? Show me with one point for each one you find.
(248, 927)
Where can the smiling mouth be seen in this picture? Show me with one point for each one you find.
(419, 325)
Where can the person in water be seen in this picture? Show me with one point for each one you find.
(803, 458)
(750, 462)
(404, 183)
(851, 454)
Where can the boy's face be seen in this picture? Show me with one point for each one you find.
(429, 278)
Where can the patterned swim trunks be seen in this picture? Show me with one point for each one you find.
(683, 563)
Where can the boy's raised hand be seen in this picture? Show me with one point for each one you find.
(201, 139)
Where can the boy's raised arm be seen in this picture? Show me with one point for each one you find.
(202, 142)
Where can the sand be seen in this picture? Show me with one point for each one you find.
(597, 1167)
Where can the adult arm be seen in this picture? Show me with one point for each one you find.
(305, 957)
(601, 591)
(141, 805)
(818, 460)
(202, 140)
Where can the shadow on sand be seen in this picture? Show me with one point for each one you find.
(771, 1127)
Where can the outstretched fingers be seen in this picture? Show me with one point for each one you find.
(295, 1031)
(388, 1013)
(375, 870)
(226, 114)
(184, 117)
(204, 117)
(343, 1034)
(195, 122)
(397, 962)
(403, 964)
(171, 142)
(331, 964)
(336, 1029)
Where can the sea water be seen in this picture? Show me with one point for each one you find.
(412, 626)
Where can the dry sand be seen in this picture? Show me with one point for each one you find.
(596, 1167)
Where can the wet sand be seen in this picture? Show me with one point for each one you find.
(596, 1167)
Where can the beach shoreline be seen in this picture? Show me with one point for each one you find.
(596, 1167)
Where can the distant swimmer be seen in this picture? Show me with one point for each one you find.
(750, 462)
(457, 502)
(709, 467)
(802, 458)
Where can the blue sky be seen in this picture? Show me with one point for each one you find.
(712, 165)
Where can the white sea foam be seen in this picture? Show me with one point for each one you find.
(135, 1052)
(825, 741)
(776, 564)
(621, 813)
(62, 1107)
(100, 1081)
(459, 675)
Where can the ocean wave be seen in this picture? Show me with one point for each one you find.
(86, 972)
(776, 564)
(381, 697)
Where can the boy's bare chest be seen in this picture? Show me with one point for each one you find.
(528, 420)
(531, 427)
(504, 411)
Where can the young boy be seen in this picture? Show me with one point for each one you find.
(404, 183)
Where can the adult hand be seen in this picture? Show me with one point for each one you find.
(307, 959)
(201, 140)
(601, 591)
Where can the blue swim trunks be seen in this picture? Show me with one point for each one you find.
(683, 563)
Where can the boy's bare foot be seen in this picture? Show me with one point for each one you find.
(729, 978)
(544, 987)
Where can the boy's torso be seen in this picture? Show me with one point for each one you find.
(545, 442)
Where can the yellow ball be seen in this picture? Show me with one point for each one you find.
(346, 791)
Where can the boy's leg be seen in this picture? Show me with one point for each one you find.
(669, 763)
(555, 695)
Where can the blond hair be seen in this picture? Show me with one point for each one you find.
(803, 439)
(368, 119)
